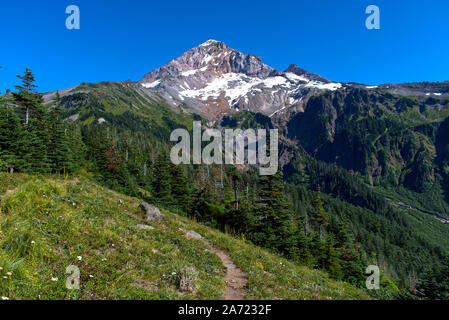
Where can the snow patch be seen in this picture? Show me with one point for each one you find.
(295, 77)
(209, 42)
(188, 73)
(234, 86)
(324, 86)
(151, 84)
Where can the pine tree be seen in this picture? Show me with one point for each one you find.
(30, 157)
(236, 178)
(32, 144)
(60, 152)
(77, 146)
(331, 261)
(26, 97)
(9, 134)
(302, 244)
(161, 183)
(273, 215)
(180, 188)
(320, 217)
(39, 127)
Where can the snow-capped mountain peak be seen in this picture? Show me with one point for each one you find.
(209, 42)
(214, 79)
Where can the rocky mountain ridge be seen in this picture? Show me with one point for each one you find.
(214, 79)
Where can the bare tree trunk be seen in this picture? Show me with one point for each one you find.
(322, 233)
(236, 199)
(306, 224)
(27, 116)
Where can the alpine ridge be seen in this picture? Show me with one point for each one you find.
(214, 79)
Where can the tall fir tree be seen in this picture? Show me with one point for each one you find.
(273, 215)
(180, 188)
(320, 217)
(26, 98)
(32, 144)
(161, 183)
(60, 153)
(9, 134)
(302, 244)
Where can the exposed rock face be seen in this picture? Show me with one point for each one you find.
(193, 234)
(151, 212)
(352, 128)
(293, 68)
(214, 79)
(428, 89)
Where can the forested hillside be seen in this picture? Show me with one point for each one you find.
(363, 174)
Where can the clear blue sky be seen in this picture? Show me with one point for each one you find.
(121, 40)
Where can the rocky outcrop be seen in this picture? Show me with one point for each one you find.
(152, 213)
(193, 234)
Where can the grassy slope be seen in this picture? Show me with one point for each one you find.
(113, 99)
(46, 223)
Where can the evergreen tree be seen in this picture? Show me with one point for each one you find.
(180, 188)
(26, 97)
(273, 215)
(331, 261)
(39, 133)
(435, 281)
(161, 183)
(302, 245)
(9, 134)
(60, 153)
(30, 159)
(236, 178)
(320, 217)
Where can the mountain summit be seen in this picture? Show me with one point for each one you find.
(214, 79)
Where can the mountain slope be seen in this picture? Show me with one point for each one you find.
(214, 79)
(48, 224)
(364, 146)
(392, 141)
